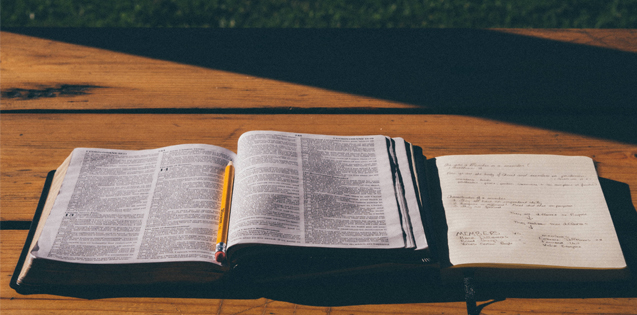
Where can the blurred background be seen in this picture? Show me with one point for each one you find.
(321, 14)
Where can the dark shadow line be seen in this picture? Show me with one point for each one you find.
(15, 225)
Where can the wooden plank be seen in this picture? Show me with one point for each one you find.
(47, 74)
(619, 39)
(33, 144)
(72, 77)
(14, 303)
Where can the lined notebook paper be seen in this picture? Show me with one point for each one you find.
(541, 210)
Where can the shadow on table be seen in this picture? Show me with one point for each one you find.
(395, 286)
(458, 71)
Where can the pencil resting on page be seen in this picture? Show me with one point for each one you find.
(224, 214)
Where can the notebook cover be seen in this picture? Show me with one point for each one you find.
(34, 224)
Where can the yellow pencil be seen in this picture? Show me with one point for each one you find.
(224, 214)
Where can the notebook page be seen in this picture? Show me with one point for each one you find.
(527, 209)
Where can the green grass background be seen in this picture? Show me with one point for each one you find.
(318, 14)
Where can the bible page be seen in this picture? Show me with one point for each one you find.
(313, 190)
(121, 206)
(543, 210)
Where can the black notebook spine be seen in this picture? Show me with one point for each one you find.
(34, 224)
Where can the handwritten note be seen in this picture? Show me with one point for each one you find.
(527, 210)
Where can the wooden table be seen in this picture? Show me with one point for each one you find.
(567, 92)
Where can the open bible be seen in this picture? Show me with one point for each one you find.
(303, 201)
(151, 216)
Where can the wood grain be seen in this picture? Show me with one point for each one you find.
(113, 80)
(622, 39)
(33, 144)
